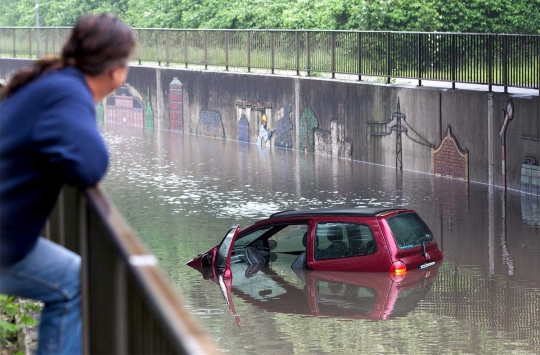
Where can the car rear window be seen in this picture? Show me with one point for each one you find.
(409, 230)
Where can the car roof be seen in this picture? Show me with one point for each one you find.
(354, 212)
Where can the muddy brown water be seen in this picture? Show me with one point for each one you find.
(181, 193)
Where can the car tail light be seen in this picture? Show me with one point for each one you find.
(398, 268)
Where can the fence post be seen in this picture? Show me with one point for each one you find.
(227, 50)
(297, 45)
(249, 51)
(419, 58)
(53, 41)
(205, 49)
(158, 47)
(388, 64)
(333, 60)
(186, 48)
(30, 41)
(139, 47)
(14, 49)
(490, 62)
(359, 56)
(453, 60)
(307, 53)
(167, 47)
(272, 54)
(505, 63)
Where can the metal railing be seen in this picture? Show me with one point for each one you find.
(490, 59)
(128, 305)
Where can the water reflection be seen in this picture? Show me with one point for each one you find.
(181, 194)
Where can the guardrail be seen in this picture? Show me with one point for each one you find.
(128, 305)
(490, 59)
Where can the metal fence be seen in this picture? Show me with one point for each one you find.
(128, 305)
(490, 59)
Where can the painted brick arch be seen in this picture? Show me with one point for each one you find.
(449, 159)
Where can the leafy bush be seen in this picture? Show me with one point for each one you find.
(13, 317)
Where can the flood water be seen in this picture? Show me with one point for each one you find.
(181, 193)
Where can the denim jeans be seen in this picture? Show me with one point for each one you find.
(51, 274)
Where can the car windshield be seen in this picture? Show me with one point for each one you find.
(409, 230)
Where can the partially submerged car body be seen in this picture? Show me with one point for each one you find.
(344, 239)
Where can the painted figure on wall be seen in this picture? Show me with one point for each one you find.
(264, 133)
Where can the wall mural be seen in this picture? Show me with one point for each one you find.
(210, 124)
(123, 107)
(308, 124)
(333, 142)
(176, 112)
(284, 126)
(449, 159)
(248, 111)
(530, 176)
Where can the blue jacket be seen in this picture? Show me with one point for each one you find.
(48, 137)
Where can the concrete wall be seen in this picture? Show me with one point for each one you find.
(325, 116)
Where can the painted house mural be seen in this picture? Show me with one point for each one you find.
(210, 125)
(124, 108)
(251, 116)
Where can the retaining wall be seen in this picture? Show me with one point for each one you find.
(331, 117)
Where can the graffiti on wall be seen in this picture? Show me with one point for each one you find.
(210, 125)
(284, 127)
(248, 111)
(176, 112)
(333, 142)
(449, 160)
(308, 124)
(124, 108)
(148, 113)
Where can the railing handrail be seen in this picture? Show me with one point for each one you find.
(291, 30)
(130, 267)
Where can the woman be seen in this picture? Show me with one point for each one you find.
(49, 137)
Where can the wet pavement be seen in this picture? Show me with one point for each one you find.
(181, 193)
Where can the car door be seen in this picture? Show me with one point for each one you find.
(348, 245)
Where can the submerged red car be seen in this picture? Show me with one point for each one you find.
(343, 239)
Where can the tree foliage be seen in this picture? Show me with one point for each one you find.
(484, 16)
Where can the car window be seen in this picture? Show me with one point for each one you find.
(249, 238)
(409, 230)
(223, 250)
(289, 239)
(343, 240)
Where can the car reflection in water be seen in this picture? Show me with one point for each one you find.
(356, 295)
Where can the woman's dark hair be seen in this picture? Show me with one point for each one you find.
(97, 43)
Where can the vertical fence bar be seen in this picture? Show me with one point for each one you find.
(205, 49)
(490, 62)
(333, 49)
(453, 60)
(30, 42)
(167, 47)
(308, 53)
(139, 46)
(249, 51)
(297, 46)
(272, 48)
(359, 49)
(388, 64)
(227, 33)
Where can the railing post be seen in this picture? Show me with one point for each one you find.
(30, 41)
(333, 60)
(139, 47)
(505, 63)
(85, 283)
(47, 40)
(227, 33)
(120, 306)
(359, 56)
(388, 64)
(167, 47)
(308, 64)
(453, 60)
(419, 58)
(490, 62)
(205, 49)
(158, 40)
(272, 47)
(186, 48)
(14, 48)
(297, 45)
(249, 51)
(53, 41)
